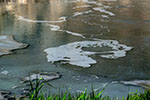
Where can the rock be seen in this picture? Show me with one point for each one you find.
(1, 97)
(7, 44)
(17, 97)
(7, 95)
(24, 87)
(47, 76)
(4, 94)
(142, 83)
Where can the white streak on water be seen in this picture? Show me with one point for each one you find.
(81, 13)
(109, 0)
(4, 72)
(85, 1)
(76, 34)
(84, 6)
(73, 54)
(57, 28)
(100, 9)
(60, 20)
(104, 16)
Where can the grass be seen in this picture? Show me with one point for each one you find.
(92, 96)
(39, 83)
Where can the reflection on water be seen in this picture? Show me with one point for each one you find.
(51, 23)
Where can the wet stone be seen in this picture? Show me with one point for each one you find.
(47, 76)
(142, 83)
(4, 94)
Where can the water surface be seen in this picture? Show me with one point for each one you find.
(53, 23)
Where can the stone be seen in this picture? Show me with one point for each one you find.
(142, 83)
(47, 76)
(4, 94)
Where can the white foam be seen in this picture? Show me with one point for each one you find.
(75, 34)
(4, 72)
(60, 20)
(104, 16)
(73, 54)
(57, 28)
(81, 13)
(100, 9)
(83, 6)
(99, 4)
(86, 1)
(109, 0)
(90, 2)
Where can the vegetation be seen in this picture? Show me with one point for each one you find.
(39, 83)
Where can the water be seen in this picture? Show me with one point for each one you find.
(54, 23)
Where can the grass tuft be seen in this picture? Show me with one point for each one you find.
(39, 83)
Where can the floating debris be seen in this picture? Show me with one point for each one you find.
(7, 44)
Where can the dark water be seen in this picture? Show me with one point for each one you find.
(126, 21)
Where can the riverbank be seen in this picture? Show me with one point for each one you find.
(93, 96)
(80, 96)
(35, 92)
